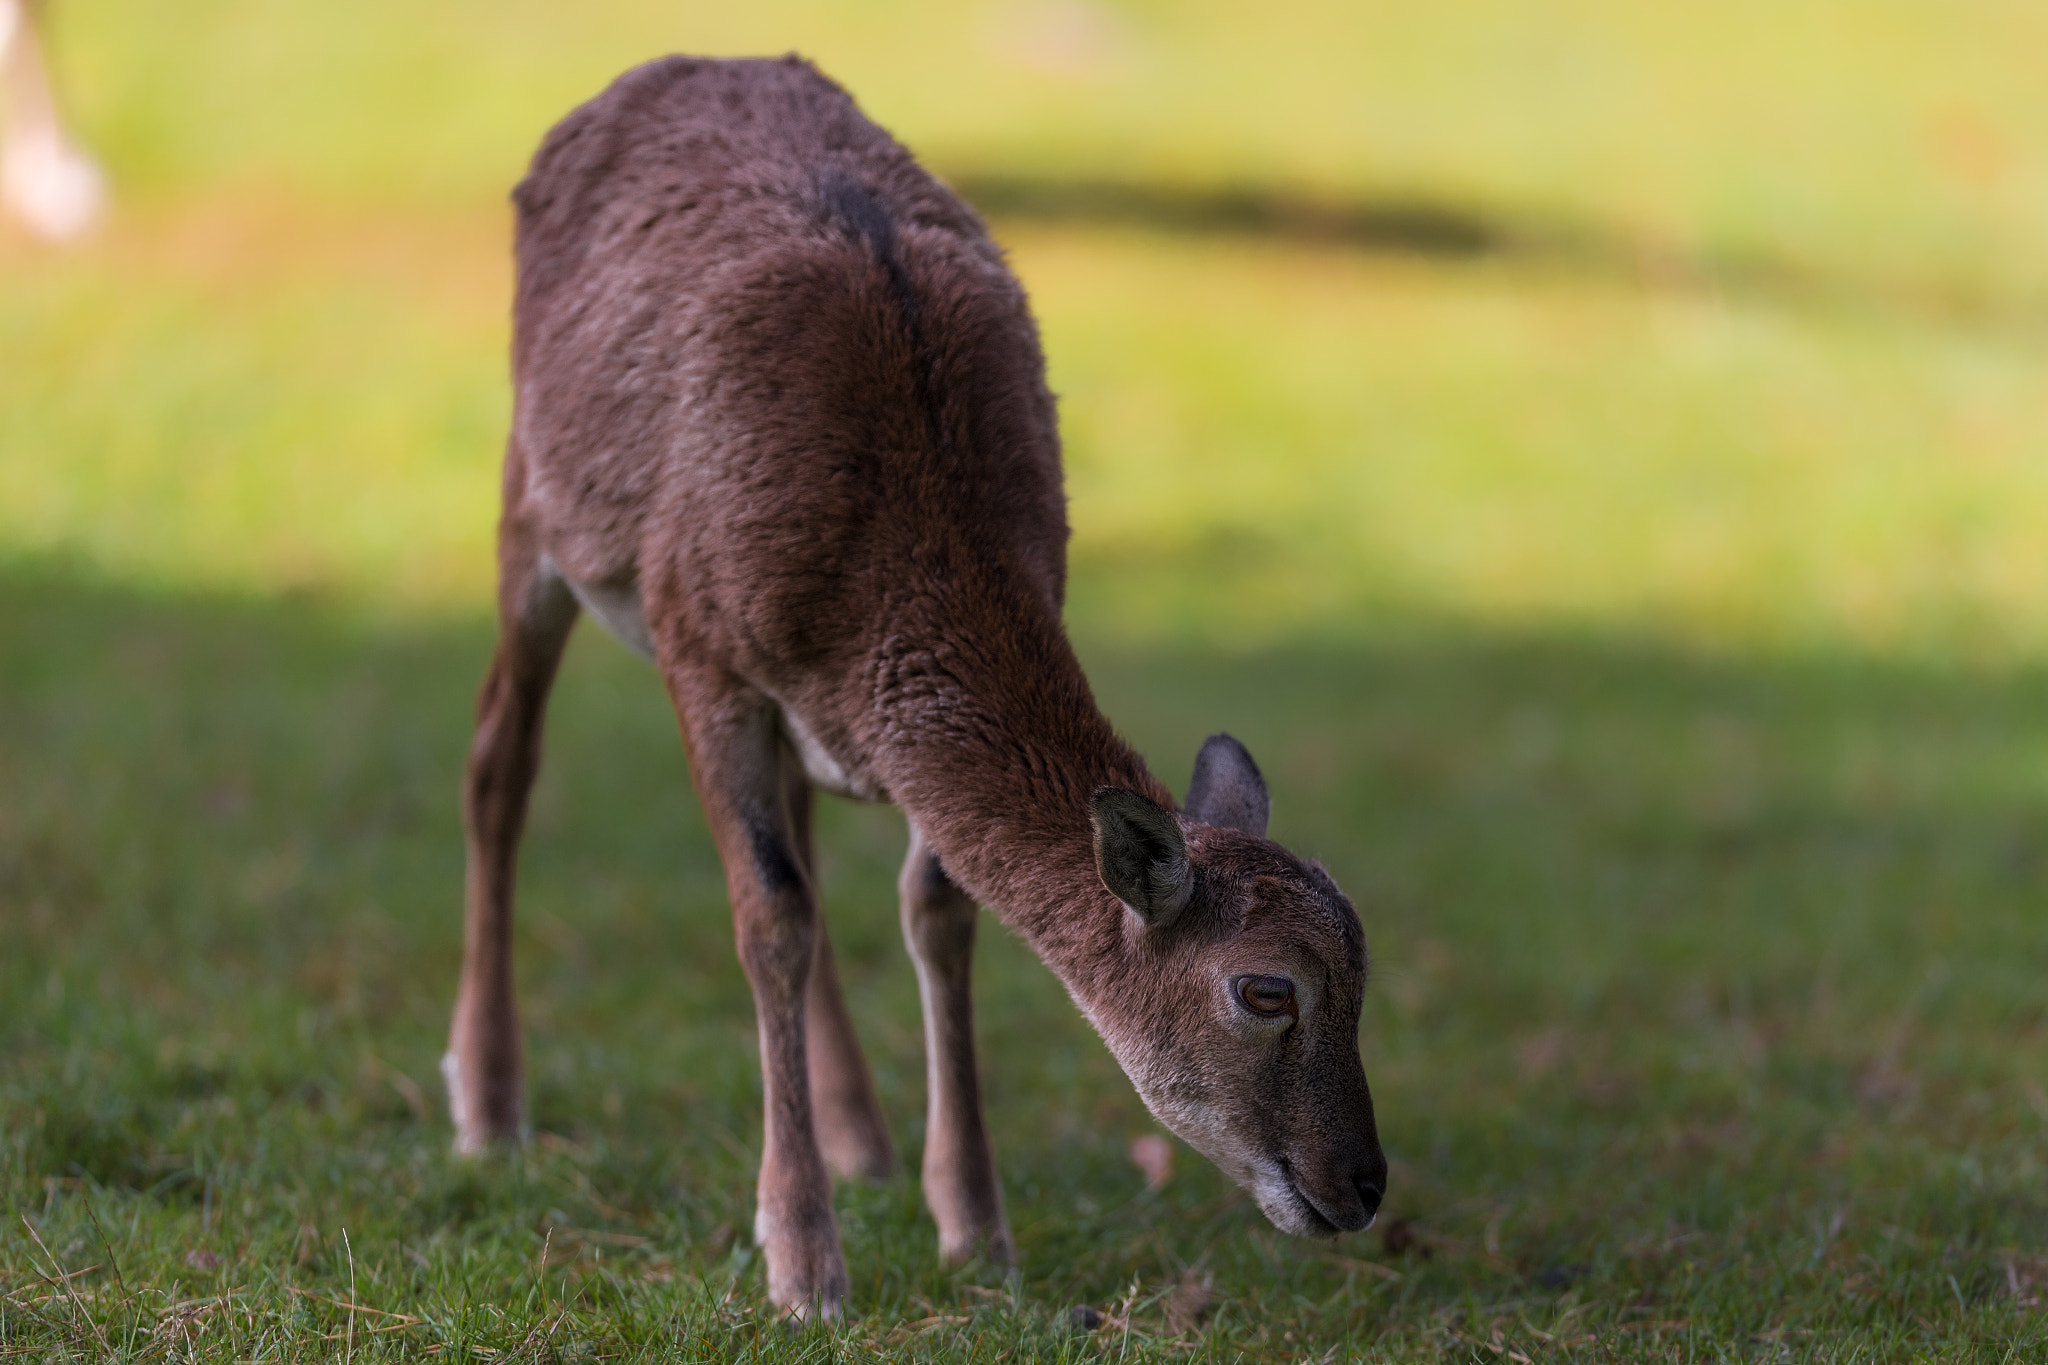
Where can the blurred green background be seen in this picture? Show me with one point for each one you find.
(1782, 382)
(1595, 454)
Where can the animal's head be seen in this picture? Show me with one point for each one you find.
(1236, 1015)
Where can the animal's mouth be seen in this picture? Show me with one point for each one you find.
(1319, 1223)
(1318, 1220)
(1283, 1198)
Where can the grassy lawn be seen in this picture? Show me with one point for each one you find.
(1652, 635)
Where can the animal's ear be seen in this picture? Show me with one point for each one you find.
(1227, 790)
(1140, 855)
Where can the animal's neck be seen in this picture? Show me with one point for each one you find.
(994, 746)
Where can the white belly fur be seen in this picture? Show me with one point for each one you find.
(617, 610)
(826, 772)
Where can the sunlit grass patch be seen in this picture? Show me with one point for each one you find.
(1885, 138)
(1261, 441)
(284, 365)
(264, 394)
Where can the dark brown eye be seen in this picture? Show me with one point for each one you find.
(1267, 995)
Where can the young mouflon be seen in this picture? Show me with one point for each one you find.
(781, 424)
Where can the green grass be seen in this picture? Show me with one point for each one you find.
(1651, 637)
(1708, 995)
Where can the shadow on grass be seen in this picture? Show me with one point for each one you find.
(1706, 991)
(1415, 226)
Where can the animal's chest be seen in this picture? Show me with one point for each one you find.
(829, 760)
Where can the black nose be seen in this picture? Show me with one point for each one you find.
(1371, 1189)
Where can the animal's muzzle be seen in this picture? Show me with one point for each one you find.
(1371, 1190)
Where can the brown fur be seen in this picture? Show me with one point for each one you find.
(781, 420)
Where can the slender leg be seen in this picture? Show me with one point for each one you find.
(742, 771)
(483, 1066)
(851, 1131)
(959, 1168)
(45, 180)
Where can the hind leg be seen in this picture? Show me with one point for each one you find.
(483, 1067)
(851, 1132)
(960, 1184)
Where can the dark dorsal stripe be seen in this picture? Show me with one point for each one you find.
(861, 216)
(857, 212)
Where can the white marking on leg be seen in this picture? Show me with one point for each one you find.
(458, 1100)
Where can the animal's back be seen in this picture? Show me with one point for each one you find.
(767, 366)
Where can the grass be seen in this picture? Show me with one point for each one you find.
(1708, 1014)
(1650, 637)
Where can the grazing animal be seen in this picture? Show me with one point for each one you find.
(781, 424)
(46, 182)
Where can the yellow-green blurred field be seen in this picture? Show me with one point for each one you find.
(283, 363)
(1643, 608)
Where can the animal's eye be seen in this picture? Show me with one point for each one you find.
(1267, 995)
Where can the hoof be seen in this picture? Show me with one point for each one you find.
(813, 1312)
(852, 1137)
(806, 1269)
(852, 1155)
(991, 1246)
(475, 1134)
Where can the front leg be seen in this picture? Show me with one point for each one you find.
(959, 1168)
(742, 772)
